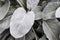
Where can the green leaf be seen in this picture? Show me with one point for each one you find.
(21, 22)
(4, 9)
(32, 3)
(51, 29)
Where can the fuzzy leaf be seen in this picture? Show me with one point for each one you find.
(4, 9)
(21, 22)
(32, 3)
(51, 29)
(57, 14)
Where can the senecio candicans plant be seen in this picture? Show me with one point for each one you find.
(21, 19)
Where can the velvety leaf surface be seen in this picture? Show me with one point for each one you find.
(21, 22)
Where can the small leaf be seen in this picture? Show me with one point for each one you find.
(32, 3)
(57, 14)
(4, 9)
(51, 29)
(21, 22)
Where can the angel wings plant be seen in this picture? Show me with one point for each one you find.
(23, 18)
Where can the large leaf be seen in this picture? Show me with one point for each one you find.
(4, 9)
(21, 22)
(51, 7)
(57, 14)
(32, 3)
(4, 24)
(51, 29)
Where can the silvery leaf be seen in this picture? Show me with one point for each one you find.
(32, 3)
(51, 7)
(51, 29)
(21, 22)
(4, 9)
(38, 13)
(57, 14)
(50, 15)
(4, 24)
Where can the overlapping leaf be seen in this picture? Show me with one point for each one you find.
(51, 29)
(32, 3)
(4, 9)
(21, 22)
(38, 13)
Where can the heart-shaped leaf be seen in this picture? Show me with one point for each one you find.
(57, 14)
(21, 22)
(32, 3)
(4, 24)
(4, 9)
(51, 29)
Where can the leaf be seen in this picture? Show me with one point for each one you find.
(4, 24)
(52, 6)
(4, 9)
(32, 3)
(21, 22)
(43, 38)
(50, 15)
(38, 13)
(57, 14)
(51, 29)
